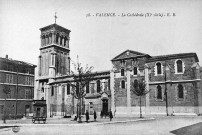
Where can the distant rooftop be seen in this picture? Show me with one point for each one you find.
(173, 56)
(16, 61)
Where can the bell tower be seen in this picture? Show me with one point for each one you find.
(54, 51)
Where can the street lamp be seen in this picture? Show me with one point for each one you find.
(167, 68)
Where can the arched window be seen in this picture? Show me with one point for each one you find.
(61, 38)
(98, 86)
(135, 83)
(47, 39)
(123, 84)
(158, 65)
(122, 72)
(87, 87)
(180, 91)
(135, 71)
(179, 66)
(68, 89)
(65, 39)
(52, 90)
(57, 38)
(42, 89)
(159, 92)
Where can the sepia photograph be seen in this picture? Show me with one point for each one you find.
(110, 67)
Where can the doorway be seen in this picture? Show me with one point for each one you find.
(27, 110)
(105, 106)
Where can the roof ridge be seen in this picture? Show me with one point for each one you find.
(173, 54)
(136, 52)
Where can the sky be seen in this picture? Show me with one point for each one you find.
(98, 39)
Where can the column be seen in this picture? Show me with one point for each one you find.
(58, 40)
(53, 38)
(128, 89)
(39, 66)
(50, 39)
(63, 41)
(41, 41)
(112, 91)
(67, 43)
(46, 40)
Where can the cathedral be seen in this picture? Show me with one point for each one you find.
(173, 81)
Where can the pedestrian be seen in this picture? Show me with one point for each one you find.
(87, 116)
(75, 118)
(95, 115)
(101, 114)
(110, 115)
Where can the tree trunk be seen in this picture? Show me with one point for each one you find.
(5, 111)
(140, 108)
(80, 110)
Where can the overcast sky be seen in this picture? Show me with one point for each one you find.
(99, 39)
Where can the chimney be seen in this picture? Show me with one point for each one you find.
(6, 56)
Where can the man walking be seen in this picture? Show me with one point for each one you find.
(95, 115)
(110, 115)
(87, 116)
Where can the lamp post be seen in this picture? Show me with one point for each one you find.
(167, 67)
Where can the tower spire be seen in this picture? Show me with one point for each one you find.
(55, 17)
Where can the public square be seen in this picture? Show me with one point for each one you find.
(163, 125)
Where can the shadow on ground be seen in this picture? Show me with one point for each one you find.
(2, 127)
(195, 129)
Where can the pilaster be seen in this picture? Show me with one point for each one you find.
(128, 89)
(112, 91)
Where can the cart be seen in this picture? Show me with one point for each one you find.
(39, 111)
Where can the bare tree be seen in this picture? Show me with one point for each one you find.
(139, 89)
(81, 76)
(6, 91)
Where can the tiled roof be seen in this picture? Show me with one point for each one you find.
(172, 56)
(17, 62)
(69, 78)
(56, 26)
(132, 54)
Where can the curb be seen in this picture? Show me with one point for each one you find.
(86, 124)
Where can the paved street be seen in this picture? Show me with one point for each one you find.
(158, 126)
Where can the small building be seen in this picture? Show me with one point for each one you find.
(16, 87)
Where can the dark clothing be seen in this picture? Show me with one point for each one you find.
(101, 114)
(75, 118)
(110, 115)
(87, 116)
(95, 115)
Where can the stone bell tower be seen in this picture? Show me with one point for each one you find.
(54, 52)
(54, 60)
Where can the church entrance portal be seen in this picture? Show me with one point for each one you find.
(105, 106)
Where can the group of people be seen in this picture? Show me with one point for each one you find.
(95, 115)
